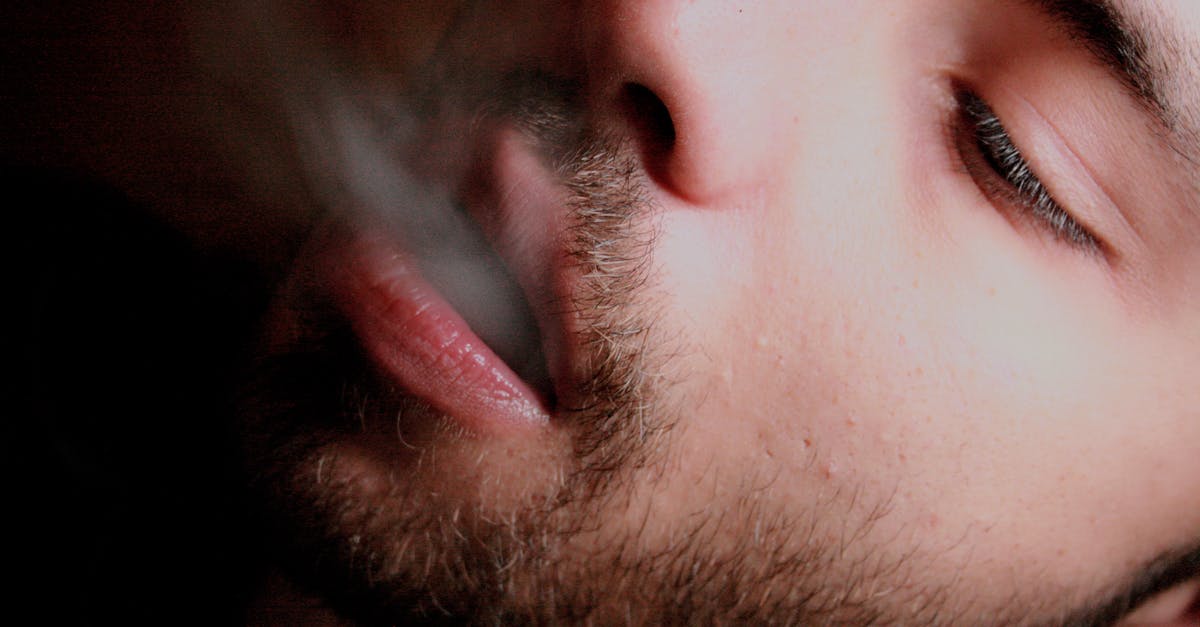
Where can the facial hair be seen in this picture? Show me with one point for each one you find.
(380, 554)
(377, 503)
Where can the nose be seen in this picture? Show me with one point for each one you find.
(693, 86)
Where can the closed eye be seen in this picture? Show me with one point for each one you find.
(1004, 176)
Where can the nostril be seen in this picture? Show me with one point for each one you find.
(652, 123)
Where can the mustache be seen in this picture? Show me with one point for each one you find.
(399, 160)
(613, 227)
(373, 166)
(368, 161)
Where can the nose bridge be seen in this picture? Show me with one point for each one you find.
(713, 65)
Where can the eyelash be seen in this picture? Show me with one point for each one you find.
(1002, 173)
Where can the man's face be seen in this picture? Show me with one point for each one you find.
(645, 311)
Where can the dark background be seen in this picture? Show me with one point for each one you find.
(122, 482)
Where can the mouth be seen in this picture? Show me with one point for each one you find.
(457, 300)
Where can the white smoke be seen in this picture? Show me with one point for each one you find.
(354, 133)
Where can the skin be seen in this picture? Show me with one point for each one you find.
(875, 391)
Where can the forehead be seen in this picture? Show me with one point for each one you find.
(1180, 18)
(1170, 30)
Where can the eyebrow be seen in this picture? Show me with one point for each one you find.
(1118, 42)
(1161, 574)
(1147, 58)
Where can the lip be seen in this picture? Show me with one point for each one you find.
(419, 339)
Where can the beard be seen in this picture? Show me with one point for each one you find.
(393, 512)
(353, 471)
(381, 505)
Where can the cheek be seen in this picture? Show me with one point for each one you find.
(986, 399)
(1054, 420)
(1001, 407)
(996, 402)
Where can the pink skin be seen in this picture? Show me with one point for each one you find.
(859, 318)
(418, 338)
(856, 316)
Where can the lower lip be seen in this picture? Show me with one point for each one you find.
(424, 344)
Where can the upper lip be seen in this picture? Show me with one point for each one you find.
(524, 212)
(403, 318)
